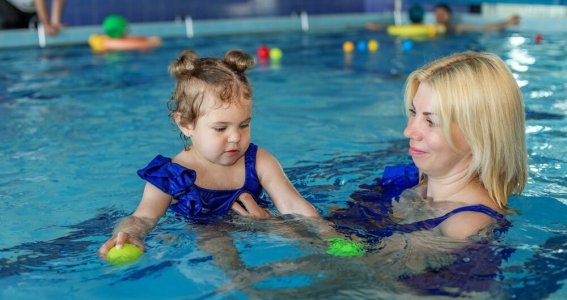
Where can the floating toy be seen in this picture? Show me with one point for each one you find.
(348, 47)
(373, 45)
(128, 253)
(416, 31)
(115, 26)
(101, 43)
(96, 42)
(342, 247)
(538, 38)
(263, 52)
(361, 46)
(116, 37)
(407, 44)
(276, 54)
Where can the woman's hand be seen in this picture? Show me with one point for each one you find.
(245, 205)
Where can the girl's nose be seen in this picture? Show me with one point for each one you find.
(234, 137)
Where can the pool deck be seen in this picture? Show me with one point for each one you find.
(195, 28)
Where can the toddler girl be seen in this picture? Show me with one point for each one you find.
(221, 169)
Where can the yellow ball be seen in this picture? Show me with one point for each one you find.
(373, 45)
(128, 253)
(348, 47)
(276, 54)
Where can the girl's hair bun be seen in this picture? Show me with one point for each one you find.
(184, 65)
(238, 61)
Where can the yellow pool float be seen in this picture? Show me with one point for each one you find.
(416, 31)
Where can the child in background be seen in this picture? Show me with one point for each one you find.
(212, 107)
(117, 38)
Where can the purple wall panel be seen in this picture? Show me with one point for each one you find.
(92, 12)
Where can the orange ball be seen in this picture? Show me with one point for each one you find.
(348, 47)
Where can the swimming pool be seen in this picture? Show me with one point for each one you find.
(75, 128)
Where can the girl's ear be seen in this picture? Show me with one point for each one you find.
(186, 129)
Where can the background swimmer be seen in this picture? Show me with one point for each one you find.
(444, 16)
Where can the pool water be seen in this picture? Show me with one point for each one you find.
(75, 127)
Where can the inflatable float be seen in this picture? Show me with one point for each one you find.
(416, 31)
(116, 37)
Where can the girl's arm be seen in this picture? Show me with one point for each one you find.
(277, 185)
(133, 229)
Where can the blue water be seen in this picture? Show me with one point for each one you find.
(75, 127)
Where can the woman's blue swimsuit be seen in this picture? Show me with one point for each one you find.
(372, 209)
(192, 200)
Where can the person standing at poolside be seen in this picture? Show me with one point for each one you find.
(21, 14)
(444, 16)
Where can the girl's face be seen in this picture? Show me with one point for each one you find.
(221, 135)
(428, 147)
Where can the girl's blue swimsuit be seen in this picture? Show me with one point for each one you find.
(195, 201)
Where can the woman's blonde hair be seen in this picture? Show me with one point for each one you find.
(478, 93)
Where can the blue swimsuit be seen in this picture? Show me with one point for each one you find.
(195, 201)
(373, 207)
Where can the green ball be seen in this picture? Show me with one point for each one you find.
(343, 247)
(115, 26)
(128, 253)
(276, 53)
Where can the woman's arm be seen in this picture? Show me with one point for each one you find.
(274, 181)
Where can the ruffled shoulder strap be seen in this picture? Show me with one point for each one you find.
(169, 177)
(396, 179)
(405, 176)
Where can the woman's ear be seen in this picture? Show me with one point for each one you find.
(186, 129)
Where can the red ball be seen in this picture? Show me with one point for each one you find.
(538, 38)
(263, 52)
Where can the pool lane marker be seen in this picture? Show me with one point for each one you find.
(304, 21)
(189, 26)
(41, 35)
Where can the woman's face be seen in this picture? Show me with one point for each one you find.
(428, 146)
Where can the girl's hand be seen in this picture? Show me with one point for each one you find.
(119, 240)
(245, 205)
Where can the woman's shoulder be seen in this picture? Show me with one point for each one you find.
(476, 212)
(465, 224)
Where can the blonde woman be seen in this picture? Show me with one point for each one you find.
(467, 138)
